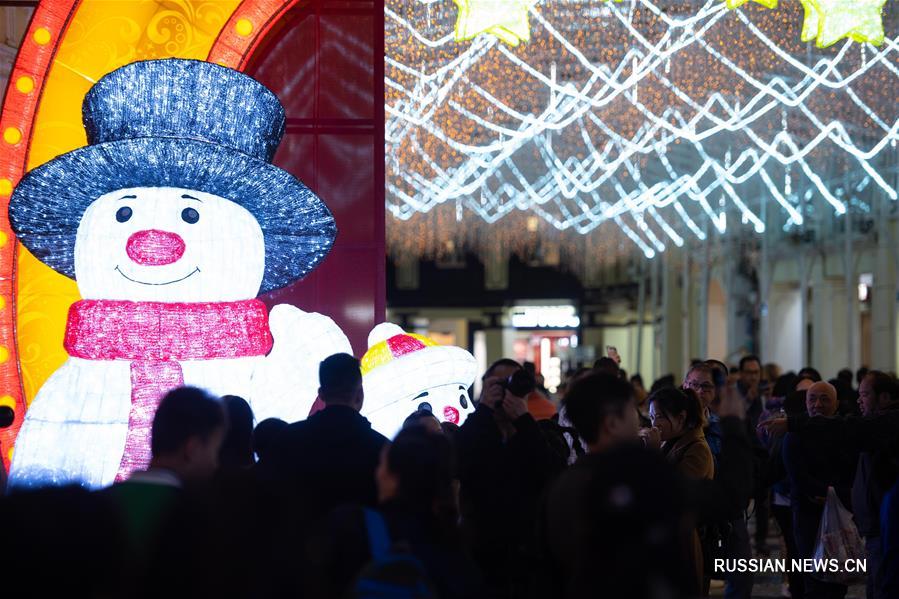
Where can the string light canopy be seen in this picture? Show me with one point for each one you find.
(642, 120)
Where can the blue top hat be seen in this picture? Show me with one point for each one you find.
(177, 123)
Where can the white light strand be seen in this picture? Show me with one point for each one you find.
(512, 160)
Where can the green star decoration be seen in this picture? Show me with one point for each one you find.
(810, 22)
(829, 21)
(505, 19)
(731, 4)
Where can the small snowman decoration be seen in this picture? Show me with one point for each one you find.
(405, 372)
(171, 220)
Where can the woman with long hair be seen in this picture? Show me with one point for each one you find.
(679, 417)
(416, 521)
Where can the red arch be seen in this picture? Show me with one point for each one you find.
(233, 47)
(19, 108)
(234, 50)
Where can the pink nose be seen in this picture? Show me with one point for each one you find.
(155, 248)
(451, 414)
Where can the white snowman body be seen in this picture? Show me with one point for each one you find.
(75, 429)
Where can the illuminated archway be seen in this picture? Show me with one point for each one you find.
(69, 45)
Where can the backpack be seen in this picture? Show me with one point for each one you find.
(573, 448)
(392, 573)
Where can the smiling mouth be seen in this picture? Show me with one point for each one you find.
(193, 272)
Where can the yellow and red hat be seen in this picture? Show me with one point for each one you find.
(399, 364)
(397, 345)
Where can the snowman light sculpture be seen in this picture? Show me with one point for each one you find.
(404, 372)
(171, 220)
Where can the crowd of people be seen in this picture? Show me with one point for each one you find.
(608, 491)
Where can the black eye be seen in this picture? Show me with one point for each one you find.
(425, 406)
(123, 214)
(464, 401)
(190, 216)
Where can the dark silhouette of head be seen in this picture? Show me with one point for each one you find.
(810, 373)
(606, 365)
(449, 429)
(860, 374)
(662, 383)
(340, 381)
(794, 403)
(237, 448)
(719, 365)
(423, 419)
(187, 433)
(502, 367)
(417, 469)
(265, 434)
(785, 384)
(845, 376)
(600, 407)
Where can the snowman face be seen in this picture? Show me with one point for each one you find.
(168, 244)
(449, 403)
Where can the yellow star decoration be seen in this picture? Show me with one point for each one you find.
(738, 3)
(505, 19)
(829, 21)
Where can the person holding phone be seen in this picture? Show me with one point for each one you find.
(612, 352)
(709, 380)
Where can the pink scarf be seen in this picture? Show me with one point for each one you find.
(155, 336)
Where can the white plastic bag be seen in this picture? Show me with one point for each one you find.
(838, 539)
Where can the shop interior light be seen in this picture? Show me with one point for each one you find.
(532, 317)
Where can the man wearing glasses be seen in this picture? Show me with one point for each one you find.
(700, 380)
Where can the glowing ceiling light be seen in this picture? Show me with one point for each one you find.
(495, 130)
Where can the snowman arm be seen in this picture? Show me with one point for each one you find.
(285, 384)
(295, 329)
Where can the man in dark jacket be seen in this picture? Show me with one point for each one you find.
(615, 520)
(505, 462)
(814, 463)
(187, 433)
(877, 394)
(889, 537)
(312, 467)
(331, 457)
(844, 438)
(601, 409)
